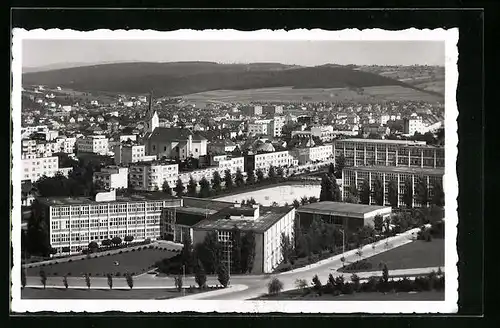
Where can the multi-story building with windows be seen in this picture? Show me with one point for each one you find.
(75, 222)
(272, 109)
(260, 127)
(152, 175)
(355, 176)
(96, 144)
(375, 152)
(277, 125)
(223, 164)
(413, 124)
(267, 224)
(307, 155)
(265, 160)
(113, 177)
(36, 167)
(251, 110)
(131, 153)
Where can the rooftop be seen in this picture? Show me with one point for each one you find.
(174, 134)
(62, 201)
(338, 208)
(399, 169)
(268, 217)
(386, 141)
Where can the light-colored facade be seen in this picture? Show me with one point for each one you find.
(75, 222)
(267, 224)
(152, 175)
(260, 127)
(357, 175)
(414, 124)
(96, 144)
(112, 177)
(369, 152)
(36, 167)
(126, 154)
(231, 164)
(280, 158)
(28, 130)
(277, 125)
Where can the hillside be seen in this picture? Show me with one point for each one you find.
(181, 78)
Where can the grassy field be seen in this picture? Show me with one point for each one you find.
(133, 262)
(375, 296)
(139, 294)
(417, 254)
(288, 94)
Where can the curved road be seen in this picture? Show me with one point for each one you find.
(253, 285)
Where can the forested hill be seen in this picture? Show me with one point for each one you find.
(181, 78)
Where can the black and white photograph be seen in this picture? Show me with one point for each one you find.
(269, 171)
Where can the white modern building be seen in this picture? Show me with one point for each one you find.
(223, 164)
(36, 167)
(112, 177)
(265, 160)
(277, 125)
(152, 175)
(75, 222)
(96, 144)
(131, 153)
(413, 124)
(260, 127)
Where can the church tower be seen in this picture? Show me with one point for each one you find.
(152, 119)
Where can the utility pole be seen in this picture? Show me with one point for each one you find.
(184, 279)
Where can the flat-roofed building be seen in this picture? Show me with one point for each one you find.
(346, 215)
(126, 153)
(112, 177)
(266, 160)
(96, 144)
(357, 175)
(377, 152)
(75, 222)
(36, 167)
(266, 223)
(151, 175)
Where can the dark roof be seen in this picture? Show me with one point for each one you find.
(340, 209)
(400, 169)
(205, 203)
(174, 134)
(140, 197)
(268, 217)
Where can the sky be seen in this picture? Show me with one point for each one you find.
(38, 53)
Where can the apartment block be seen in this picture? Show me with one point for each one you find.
(112, 177)
(152, 175)
(36, 167)
(96, 144)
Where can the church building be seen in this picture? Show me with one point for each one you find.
(172, 143)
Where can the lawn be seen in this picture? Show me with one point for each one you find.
(140, 294)
(417, 254)
(133, 262)
(375, 296)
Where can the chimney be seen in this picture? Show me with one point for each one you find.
(256, 212)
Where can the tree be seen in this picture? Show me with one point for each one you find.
(165, 187)
(286, 247)
(87, 280)
(228, 179)
(130, 280)
(340, 164)
(408, 194)
(326, 193)
(223, 275)
(178, 282)
(110, 280)
(93, 246)
(260, 175)
(274, 286)
(204, 188)
(236, 250)
(187, 253)
(179, 188)
(271, 174)
(250, 177)
(296, 203)
(356, 282)
(238, 179)
(247, 252)
(378, 192)
(378, 222)
(106, 242)
(301, 284)
(210, 252)
(331, 169)
(438, 194)
(304, 200)
(200, 275)
(392, 193)
(116, 241)
(385, 274)
(317, 284)
(422, 192)
(129, 238)
(364, 195)
(352, 195)
(312, 200)
(216, 182)
(23, 278)
(65, 281)
(191, 187)
(280, 172)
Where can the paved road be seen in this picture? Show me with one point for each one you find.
(256, 284)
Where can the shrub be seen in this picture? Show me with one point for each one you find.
(274, 286)
(347, 288)
(70, 260)
(133, 250)
(317, 284)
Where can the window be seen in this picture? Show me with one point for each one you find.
(165, 148)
